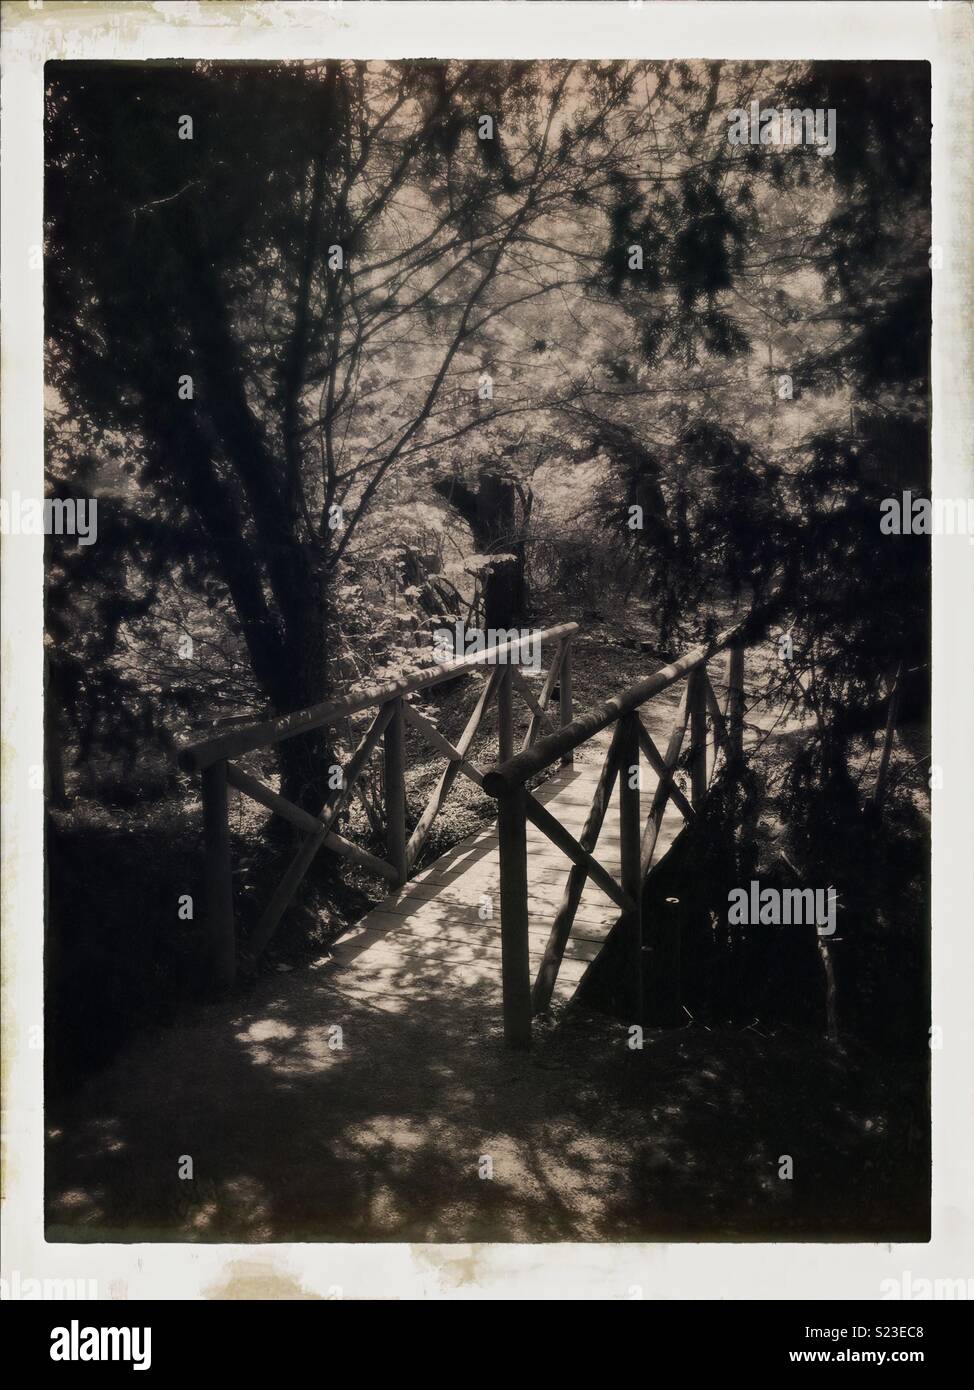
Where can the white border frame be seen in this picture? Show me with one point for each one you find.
(539, 30)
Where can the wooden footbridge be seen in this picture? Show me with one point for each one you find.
(566, 863)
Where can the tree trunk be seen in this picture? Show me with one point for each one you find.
(304, 761)
(491, 512)
(497, 532)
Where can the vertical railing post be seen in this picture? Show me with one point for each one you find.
(220, 943)
(735, 700)
(630, 834)
(395, 790)
(505, 716)
(565, 698)
(515, 965)
(697, 700)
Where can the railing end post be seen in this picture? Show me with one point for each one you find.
(515, 963)
(630, 837)
(565, 698)
(395, 791)
(697, 700)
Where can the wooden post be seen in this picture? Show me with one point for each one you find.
(630, 834)
(395, 789)
(735, 701)
(565, 699)
(698, 736)
(515, 965)
(220, 942)
(505, 716)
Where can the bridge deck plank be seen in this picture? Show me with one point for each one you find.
(442, 928)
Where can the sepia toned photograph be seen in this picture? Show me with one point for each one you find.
(487, 650)
(486, 575)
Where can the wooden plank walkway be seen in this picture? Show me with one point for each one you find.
(442, 928)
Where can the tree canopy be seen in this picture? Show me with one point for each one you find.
(288, 304)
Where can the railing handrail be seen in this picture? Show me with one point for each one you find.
(513, 773)
(197, 754)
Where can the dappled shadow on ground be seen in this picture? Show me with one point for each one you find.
(423, 1127)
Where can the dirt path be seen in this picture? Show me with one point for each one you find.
(311, 1110)
(430, 1130)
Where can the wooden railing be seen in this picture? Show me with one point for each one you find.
(212, 757)
(637, 842)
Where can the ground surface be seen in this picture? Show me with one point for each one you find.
(387, 1137)
(416, 1124)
